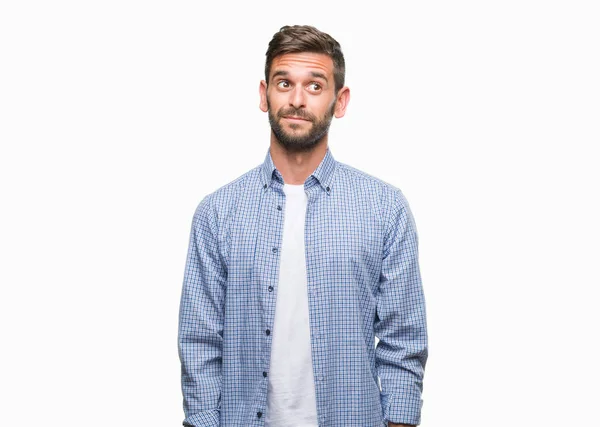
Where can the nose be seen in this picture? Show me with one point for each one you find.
(297, 98)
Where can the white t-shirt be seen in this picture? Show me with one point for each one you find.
(291, 400)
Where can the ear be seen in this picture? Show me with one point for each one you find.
(262, 90)
(341, 103)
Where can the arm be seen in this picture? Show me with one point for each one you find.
(201, 315)
(400, 324)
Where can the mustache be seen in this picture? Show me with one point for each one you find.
(303, 114)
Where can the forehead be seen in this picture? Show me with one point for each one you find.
(302, 62)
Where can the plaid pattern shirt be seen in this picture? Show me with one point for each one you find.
(363, 282)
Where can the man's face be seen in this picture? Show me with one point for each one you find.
(300, 99)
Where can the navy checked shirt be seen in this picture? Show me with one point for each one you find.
(363, 281)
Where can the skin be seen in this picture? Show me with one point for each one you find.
(301, 84)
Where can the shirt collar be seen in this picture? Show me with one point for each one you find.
(323, 173)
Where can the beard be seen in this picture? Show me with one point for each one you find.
(303, 140)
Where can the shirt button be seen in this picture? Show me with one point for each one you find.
(265, 186)
(278, 207)
(274, 250)
(268, 332)
(259, 414)
(327, 188)
(270, 288)
(264, 374)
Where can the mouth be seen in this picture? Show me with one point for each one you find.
(295, 118)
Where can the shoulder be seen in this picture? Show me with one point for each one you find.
(388, 197)
(220, 203)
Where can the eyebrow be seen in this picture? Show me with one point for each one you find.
(312, 73)
(279, 73)
(319, 76)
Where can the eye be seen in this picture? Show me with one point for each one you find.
(283, 84)
(315, 87)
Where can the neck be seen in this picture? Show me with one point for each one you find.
(295, 167)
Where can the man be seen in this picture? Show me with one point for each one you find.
(294, 267)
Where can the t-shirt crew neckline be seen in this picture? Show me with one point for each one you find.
(293, 188)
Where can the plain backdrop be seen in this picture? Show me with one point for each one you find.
(118, 117)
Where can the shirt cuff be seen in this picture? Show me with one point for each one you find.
(401, 408)
(210, 418)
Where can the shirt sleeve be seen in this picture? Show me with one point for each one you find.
(400, 324)
(201, 315)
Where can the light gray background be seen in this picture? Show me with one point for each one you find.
(117, 117)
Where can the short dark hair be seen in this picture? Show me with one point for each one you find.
(304, 38)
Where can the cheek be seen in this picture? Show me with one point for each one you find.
(323, 109)
(275, 102)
